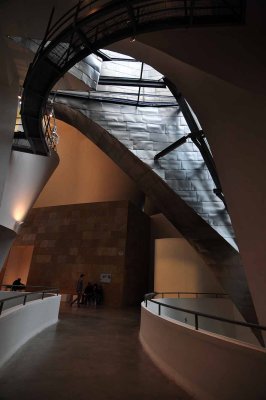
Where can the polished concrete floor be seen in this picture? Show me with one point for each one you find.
(91, 354)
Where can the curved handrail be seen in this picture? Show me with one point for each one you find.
(29, 286)
(197, 314)
(86, 28)
(211, 294)
(181, 7)
(25, 295)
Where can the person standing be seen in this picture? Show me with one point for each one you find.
(79, 290)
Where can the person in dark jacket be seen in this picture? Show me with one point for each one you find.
(97, 294)
(79, 290)
(17, 285)
(88, 294)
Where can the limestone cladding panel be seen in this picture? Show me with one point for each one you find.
(82, 238)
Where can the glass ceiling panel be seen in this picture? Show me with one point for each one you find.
(124, 67)
(122, 79)
(127, 67)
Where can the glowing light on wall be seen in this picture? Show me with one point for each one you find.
(19, 213)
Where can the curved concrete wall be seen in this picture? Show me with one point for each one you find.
(222, 307)
(28, 173)
(9, 89)
(205, 365)
(7, 237)
(20, 323)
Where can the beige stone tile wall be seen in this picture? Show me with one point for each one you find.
(91, 239)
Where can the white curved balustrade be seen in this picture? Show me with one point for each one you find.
(19, 323)
(207, 365)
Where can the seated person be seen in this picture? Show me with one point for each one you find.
(17, 285)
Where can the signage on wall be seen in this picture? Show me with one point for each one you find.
(105, 278)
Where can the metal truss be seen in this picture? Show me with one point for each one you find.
(198, 138)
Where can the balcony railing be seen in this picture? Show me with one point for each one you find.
(42, 292)
(150, 298)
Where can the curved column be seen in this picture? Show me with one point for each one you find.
(27, 175)
(7, 237)
(9, 88)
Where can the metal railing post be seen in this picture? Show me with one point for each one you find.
(23, 297)
(196, 322)
(198, 314)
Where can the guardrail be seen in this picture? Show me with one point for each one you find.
(196, 294)
(149, 297)
(26, 295)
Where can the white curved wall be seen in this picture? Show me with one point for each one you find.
(221, 307)
(7, 237)
(20, 323)
(205, 365)
(9, 89)
(27, 175)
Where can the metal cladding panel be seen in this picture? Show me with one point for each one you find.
(87, 70)
(146, 131)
